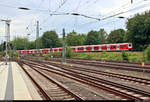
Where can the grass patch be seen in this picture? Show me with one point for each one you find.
(108, 56)
(112, 56)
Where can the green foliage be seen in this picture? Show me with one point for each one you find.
(116, 36)
(16, 54)
(1, 47)
(138, 30)
(96, 37)
(33, 54)
(92, 38)
(19, 43)
(13, 54)
(89, 56)
(1, 53)
(69, 52)
(102, 36)
(33, 44)
(125, 56)
(74, 39)
(59, 42)
(58, 54)
(50, 39)
(104, 52)
(111, 56)
(147, 53)
(46, 56)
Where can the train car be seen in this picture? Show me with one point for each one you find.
(84, 48)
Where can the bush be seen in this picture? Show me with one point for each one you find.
(2, 54)
(56, 54)
(34, 54)
(13, 54)
(89, 56)
(16, 54)
(147, 53)
(104, 52)
(125, 56)
(69, 52)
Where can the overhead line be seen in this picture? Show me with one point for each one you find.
(60, 6)
(42, 10)
(118, 9)
(118, 13)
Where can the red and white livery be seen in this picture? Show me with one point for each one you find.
(84, 48)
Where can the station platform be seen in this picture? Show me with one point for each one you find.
(15, 84)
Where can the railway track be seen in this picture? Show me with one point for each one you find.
(124, 66)
(56, 90)
(97, 61)
(109, 74)
(117, 89)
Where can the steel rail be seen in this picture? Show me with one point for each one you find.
(106, 65)
(120, 76)
(47, 97)
(66, 90)
(138, 69)
(90, 81)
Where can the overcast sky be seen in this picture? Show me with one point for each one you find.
(41, 10)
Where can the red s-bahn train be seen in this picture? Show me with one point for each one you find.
(84, 48)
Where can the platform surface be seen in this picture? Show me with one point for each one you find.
(15, 84)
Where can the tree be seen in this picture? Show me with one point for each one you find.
(147, 53)
(138, 30)
(74, 39)
(20, 43)
(102, 36)
(92, 38)
(31, 45)
(50, 39)
(82, 38)
(40, 41)
(116, 36)
(59, 42)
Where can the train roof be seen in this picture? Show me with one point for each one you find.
(80, 46)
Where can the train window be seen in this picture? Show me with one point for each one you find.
(73, 48)
(80, 48)
(112, 46)
(104, 47)
(88, 48)
(96, 47)
(121, 46)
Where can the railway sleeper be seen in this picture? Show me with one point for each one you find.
(63, 98)
(60, 95)
(56, 91)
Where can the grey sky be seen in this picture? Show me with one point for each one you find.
(41, 9)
